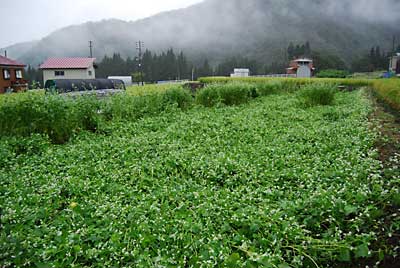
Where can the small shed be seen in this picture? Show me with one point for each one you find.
(240, 72)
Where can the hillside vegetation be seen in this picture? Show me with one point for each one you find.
(217, 29)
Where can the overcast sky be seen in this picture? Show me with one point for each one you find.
(26, 20)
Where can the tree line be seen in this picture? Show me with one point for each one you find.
(375, 60)
(170, 65)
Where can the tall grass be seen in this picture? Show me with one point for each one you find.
(288, 82)
(59, 117)
(227, 94)
(317, 94)
(388, 90)
(51, 115)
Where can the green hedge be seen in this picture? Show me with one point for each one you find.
(288, 82)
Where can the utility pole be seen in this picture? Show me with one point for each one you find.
(91, 48)
(139, 47)
(394, 45)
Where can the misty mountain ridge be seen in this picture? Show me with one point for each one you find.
(216, 29)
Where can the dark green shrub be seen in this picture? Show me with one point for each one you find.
(209, 96)
(270, 87)
(179, 97)
(228, 94)
(126, 107)
(87, 112)
(331, 73)
(56, 116)
(317, 94)
(29, 113)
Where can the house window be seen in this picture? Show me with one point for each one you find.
(18, 74)
(6, 74)
(90, 73)
(59, 73)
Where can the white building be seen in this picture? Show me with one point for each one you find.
(240, 73)
(68, 68)
(395, 64)
(127, 79)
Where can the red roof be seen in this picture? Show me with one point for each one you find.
(10, 62)
(67, 63)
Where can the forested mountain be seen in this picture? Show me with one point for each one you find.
(217, 29)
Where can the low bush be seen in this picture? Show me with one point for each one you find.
(179, 97)
(317, 94)
(31, 113)
(227, 94)
(331, 73)
(59, 117)
(289, 83)
(270, 87)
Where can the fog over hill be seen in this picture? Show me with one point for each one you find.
(216, 29)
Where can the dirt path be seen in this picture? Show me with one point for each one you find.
(387, 121)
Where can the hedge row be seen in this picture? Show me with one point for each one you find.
(59, 117)
(289, 82)
(386, 89)
(389, 91)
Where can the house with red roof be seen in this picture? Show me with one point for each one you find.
(68, 68)
(11, 77)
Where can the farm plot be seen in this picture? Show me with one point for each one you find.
(265, 184)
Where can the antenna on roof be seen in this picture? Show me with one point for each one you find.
(91, 48)
(5, 53)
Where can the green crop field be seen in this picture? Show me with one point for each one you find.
(254, 179)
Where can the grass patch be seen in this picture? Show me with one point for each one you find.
(317, 94)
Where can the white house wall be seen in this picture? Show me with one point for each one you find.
(69, 74)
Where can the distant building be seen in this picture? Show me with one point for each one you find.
(302, 68)
(395, 64)
(240, 73)
(11, 75)
(68, 68)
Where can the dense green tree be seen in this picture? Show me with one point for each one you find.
(34, 77)
(326, 61)
(300, 50)
(374, 61)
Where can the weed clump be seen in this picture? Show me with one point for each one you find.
(317, 94)
(227, 94)
(270, 87)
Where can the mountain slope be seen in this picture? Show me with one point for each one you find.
(217, 29)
